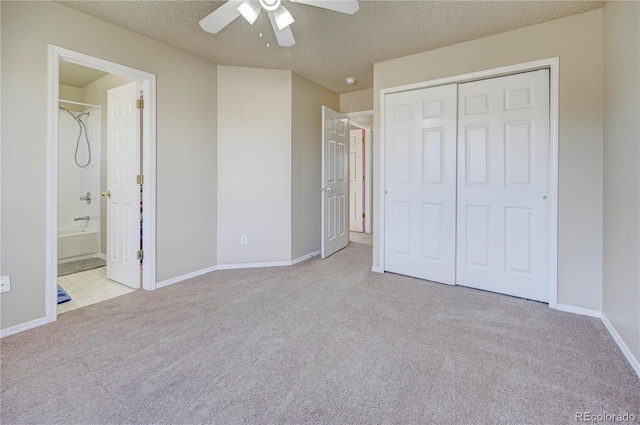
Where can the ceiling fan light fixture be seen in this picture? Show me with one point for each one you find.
(250, 11)
(270, 5)
(283, 17)
(278, 15)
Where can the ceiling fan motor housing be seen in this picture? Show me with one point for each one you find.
(270, 5)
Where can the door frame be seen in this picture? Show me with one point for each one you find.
(368, 160)
(553, 64)
(57, 54)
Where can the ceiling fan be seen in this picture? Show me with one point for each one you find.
(279, 16)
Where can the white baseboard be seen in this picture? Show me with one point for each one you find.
(23, 327)
(578, 310)
(268, 264)
(185, 277)
(234, 266)
(305, 257)
(253, 265)
(635, 364)
(377, 269)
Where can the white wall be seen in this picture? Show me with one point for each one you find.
(186, 145)
(254, 165)
(269, 150)
(356, 101)
(621, 277)
(577, 41)
(306, 163)
(366, 120)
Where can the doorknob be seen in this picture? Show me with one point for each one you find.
(328, 190)
(107, 193)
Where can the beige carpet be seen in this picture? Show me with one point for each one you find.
(322, 342)
(365, 238)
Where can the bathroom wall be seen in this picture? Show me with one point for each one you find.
(71, 93)
(75, 181)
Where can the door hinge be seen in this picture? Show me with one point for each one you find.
(362, 140)
(140, 255)
(362, 178)
(140, 103)
(140, 179)
(362, 215)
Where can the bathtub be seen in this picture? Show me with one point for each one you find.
(76, 242)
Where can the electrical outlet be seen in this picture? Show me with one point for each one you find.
(5, 284)
(244, 240)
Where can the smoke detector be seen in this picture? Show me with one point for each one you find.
(350, 80)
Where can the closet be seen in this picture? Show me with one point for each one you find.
(467, 183)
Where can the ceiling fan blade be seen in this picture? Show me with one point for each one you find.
(250, 10)
(282, 17)
(221, 17)
(343, 6)
(284, 36)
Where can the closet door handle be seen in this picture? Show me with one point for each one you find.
(107, 193)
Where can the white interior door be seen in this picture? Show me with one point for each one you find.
(420, 183)
(356, 181)
(123, 196)
(503, 185)
(335, 185)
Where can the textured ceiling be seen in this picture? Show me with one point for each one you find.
(330, 46)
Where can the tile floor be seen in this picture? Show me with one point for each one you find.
(88, 288)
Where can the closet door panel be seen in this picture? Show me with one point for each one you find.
(420, 183)
(503, 185)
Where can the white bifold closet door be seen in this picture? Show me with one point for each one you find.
(467, 183)
(503, 185)
(420, 183)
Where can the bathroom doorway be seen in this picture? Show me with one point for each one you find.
(98, 111)
(84, 158)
